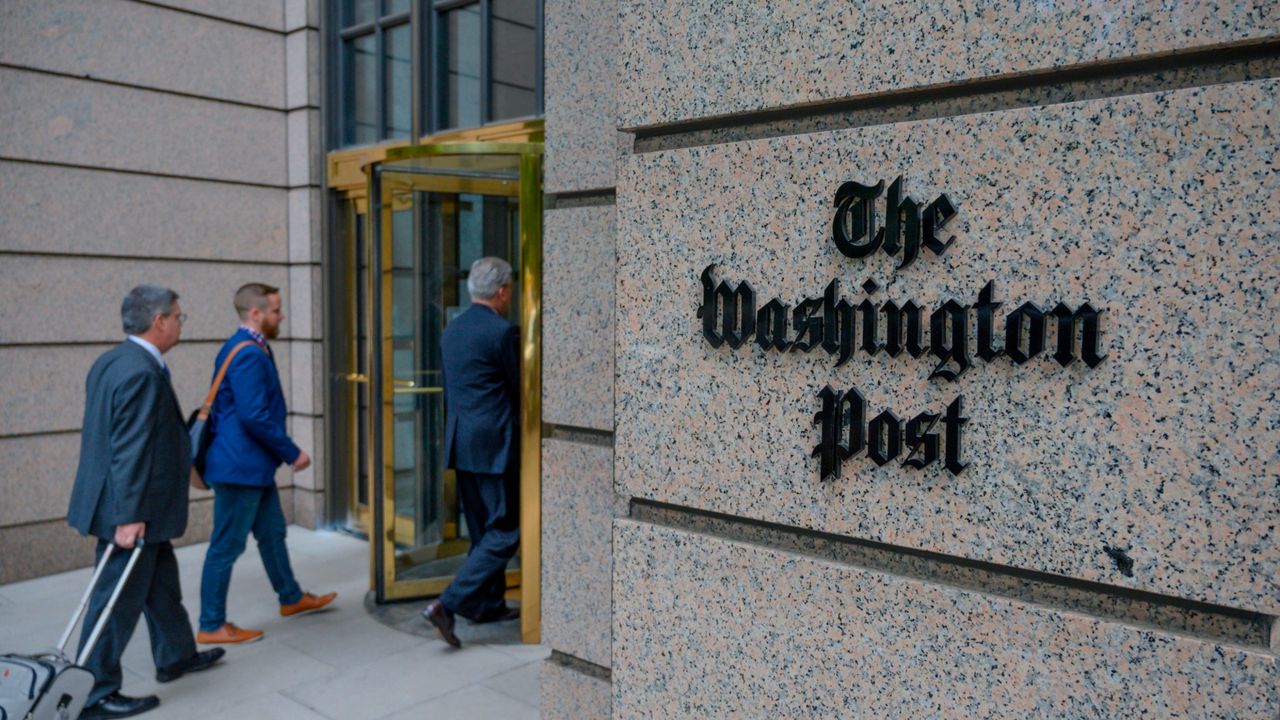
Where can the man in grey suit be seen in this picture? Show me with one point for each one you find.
(131, 487)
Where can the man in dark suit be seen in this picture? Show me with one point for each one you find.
(249, 442)
(131, 487)
(481, 362)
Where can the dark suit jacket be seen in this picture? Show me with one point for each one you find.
(135, 454)
(480, 353)
(247, 420)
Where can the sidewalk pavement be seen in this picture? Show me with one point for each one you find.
(340, 664)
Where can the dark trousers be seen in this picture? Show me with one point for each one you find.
(152, 591)
(237, 510)
(491, 506)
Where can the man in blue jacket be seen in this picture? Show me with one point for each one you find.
(249, 443)
(480, 351)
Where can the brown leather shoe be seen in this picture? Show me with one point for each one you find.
(228, 634)
(437, 614)
(308, 603)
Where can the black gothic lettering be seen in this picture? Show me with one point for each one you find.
(949, 340)
(986, 315)
(922, 445)
(1013, 333)
(771, 326)
(901, 225)
(840, 413)
(837, 324)
(1087, 317)
(936, 214)
(884, 438)
(807, 320)
(708, 310)
(853, 229)
(953, 424)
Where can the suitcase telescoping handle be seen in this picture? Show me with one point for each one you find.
(111, 603)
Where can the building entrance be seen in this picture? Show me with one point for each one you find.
(432, 210)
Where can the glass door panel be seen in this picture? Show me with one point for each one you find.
(432, 216)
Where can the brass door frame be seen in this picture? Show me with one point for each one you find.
(529, 192)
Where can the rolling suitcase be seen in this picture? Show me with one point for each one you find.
(48, 685)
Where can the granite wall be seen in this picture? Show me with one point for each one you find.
(1091, 532)
(165, 142)
(579, 262)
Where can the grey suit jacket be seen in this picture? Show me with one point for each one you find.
(135, 454)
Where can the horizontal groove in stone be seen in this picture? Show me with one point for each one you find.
(145, 173)
(1252, 61)
(589, 198)
(106, 344)
(146, 88)
(217, 18)
(582, 435)
(1200, 620)
(579, 665)
(153, 258)
(62, 519)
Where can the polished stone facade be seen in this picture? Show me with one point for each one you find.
(169, 142)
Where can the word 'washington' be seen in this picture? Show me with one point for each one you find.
(731, 316)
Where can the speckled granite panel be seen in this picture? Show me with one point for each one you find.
(577, 304)
(145, 45)
(747, 631)
(578, 507)
(581, 40)
(683, 60)
(91, 291)
(47, 118)
(1159, 209)
(571, 695)
(71, 210)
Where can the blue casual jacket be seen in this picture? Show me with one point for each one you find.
(247, 419)
(480, 353)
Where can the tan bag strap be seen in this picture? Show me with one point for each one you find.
(217, 379)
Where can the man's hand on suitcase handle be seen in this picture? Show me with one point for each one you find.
(127, 535)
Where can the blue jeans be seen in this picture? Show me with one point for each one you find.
(237, 509)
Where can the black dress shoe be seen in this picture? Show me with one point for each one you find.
(503, 615)
(437, 614)
(116, 705)
(195, 663)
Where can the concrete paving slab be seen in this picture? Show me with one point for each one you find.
(519, 684)
(342, 663)
(472, 702)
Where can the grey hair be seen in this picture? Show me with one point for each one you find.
(487, 275)
(143, 304)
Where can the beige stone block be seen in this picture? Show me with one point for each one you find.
(578, 507)
(302, 69)
(578, 301)
(81, 122)
(39, 549)
(302, 379)
(305, 240)
(571, 695)
(267, 15)
(144, 45)
(36, 476)
(90, 290)
(304, 148)
(684, 60)
(301, 13)
(308, 508)
(44, 387)
(705, 627)
(53, 209)
(302, 429)
(581, 41)
(304, 294)
(1154, 208)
